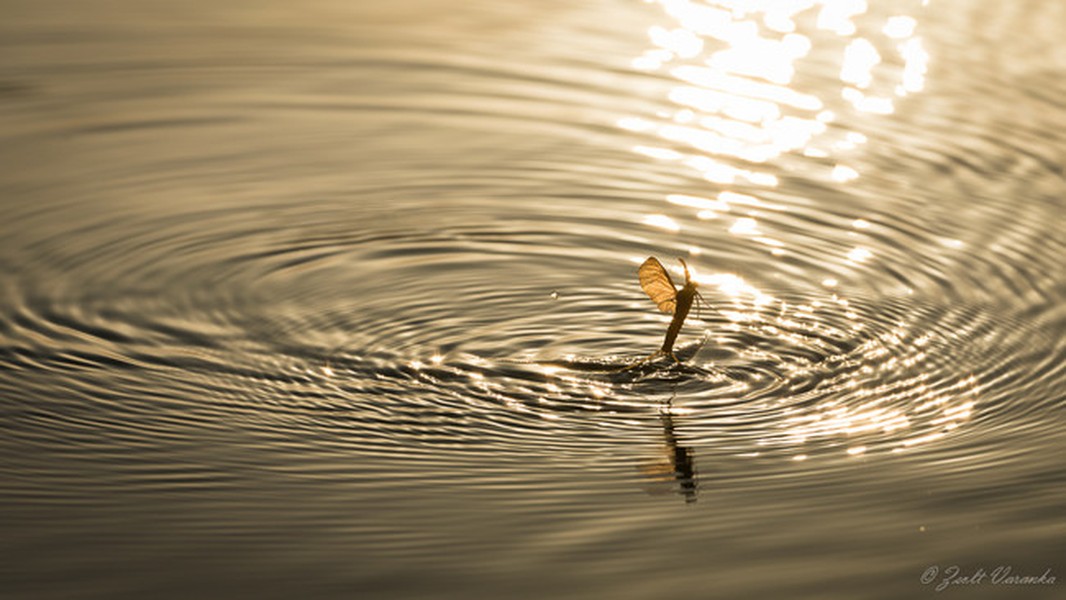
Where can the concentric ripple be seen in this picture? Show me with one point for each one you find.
(508, 330)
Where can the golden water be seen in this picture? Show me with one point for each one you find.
(331, 299)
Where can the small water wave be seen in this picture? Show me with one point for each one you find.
(442, 326)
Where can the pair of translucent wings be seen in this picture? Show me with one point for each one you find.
(656, 283)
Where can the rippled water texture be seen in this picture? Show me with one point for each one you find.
(337, 299)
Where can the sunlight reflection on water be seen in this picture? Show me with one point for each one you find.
(738, 107)
(736, 62)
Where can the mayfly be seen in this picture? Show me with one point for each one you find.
(656, 283)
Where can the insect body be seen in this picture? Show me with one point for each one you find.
(656, 283)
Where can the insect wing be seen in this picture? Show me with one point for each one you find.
(656, 283)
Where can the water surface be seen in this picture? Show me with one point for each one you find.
(335, 300)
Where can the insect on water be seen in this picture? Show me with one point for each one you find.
(656, 283)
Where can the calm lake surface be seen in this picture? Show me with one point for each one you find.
(335, 299)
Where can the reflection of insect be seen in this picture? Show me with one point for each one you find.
(656, 283)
